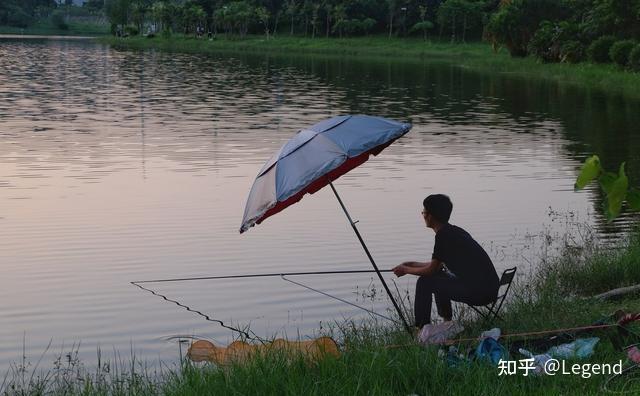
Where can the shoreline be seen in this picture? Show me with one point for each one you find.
(45, 37)
(478, 56)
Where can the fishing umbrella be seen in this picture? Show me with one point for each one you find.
(313, 159)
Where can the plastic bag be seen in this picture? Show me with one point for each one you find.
(580, 348)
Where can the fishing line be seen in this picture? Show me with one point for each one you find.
(338, 298)
(282, 275)
(205, 316)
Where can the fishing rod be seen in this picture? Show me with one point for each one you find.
(258, 276)
(282, 275)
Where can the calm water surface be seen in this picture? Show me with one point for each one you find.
(120, 166)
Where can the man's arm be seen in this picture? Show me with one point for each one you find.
(418, 268)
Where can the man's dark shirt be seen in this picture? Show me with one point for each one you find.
(466, 259)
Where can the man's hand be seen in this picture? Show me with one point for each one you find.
(417, 268)
(400, 270)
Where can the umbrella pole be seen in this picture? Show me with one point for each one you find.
(373, 263)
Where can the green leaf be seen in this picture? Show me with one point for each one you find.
(633, 198)
(617, 194)
(590, 170)
(606, 181)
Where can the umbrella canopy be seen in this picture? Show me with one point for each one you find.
(313, 158)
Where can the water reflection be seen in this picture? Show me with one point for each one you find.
(117, 166)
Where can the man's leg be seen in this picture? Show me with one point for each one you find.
(443, 304)
(445, 287)
(425, 287)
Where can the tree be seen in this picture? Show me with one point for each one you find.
(263, 16)
(515, 22)
(291, 9)
(327, 6)
(315, 19)
(138, 13)
(424, 24)
(392, 7)
(117, 12)
(163, 13)
(236, 16)
(193, 15)
(460, 15)
(340, 19)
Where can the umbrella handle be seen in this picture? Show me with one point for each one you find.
(373, 263)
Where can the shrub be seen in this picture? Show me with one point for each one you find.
(15, 16)
(572, 51)
(634, 58)
(598, 51)
(555, 42)
(515, 23)
(57, 20)
(619, 52)
(131, 30)
(543, 43)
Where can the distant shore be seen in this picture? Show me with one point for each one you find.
(478, 55)
(46, 29)
(44, 36)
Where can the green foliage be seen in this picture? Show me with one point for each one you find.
(58, 21)
(591, 169)
(459, 16)
(422, 26)
(633, 198)
(131, 30)
(615, 186)
(13, 13)
(598, 51)
(235, 17)
(634, 58)
(117, 11)
(516, 22)
(543, 44)
(572, 51)
(620, 51)
(556, 42)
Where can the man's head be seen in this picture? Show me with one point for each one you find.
(436, 210)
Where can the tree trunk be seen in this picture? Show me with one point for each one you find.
(390, 24)
(291, 32)
(464, 28)
(328, 24)
(306, 25)
(453, 29)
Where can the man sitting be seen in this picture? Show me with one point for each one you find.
(469, 277)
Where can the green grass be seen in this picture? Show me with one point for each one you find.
(599, 271)
(478, 56)
(369, 366)
(45, 28)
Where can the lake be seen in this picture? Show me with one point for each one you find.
(119, 166)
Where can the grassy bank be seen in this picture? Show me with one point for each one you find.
(48, 29)
(552, 297)
(479, 56)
